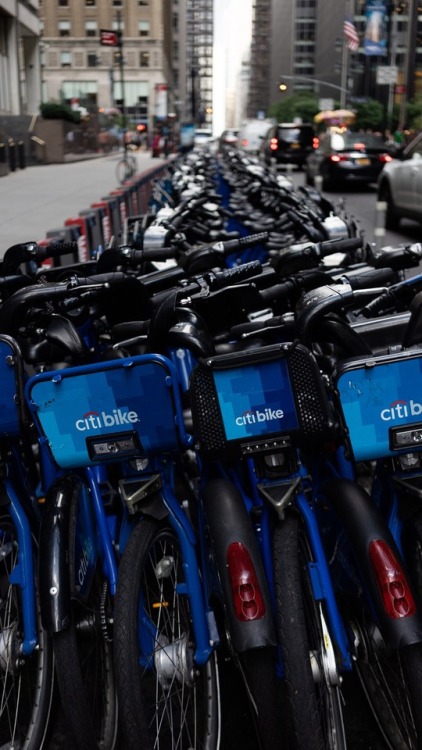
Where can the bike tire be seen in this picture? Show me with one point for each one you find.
(392, 679)
(125, 169)
(164, 700)
(392, 683)
(85, 663)
(259, 668)
(314, 705)
(26, 682)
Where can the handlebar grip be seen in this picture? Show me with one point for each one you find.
(234, 275)
(150, 253)
(55, 250)
(368, 279)
(329, 247)
(379, 304)
(247, 241)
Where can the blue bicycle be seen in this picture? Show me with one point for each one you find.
(26, 656)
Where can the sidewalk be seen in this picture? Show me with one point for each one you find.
(37, 199)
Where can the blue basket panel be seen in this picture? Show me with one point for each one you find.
(72, 408)
(256, 400)
(377, 398)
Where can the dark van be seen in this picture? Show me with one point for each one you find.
(288, 143)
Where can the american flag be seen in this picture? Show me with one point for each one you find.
(352, 36)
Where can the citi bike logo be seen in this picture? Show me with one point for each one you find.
(252, 417)
(94, 420)
(400, 410)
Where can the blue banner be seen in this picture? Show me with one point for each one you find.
(376, 32)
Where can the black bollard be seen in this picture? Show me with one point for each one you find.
(21, 155)
(12, 156)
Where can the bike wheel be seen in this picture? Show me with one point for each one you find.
(259, 669)
(26, 682)
(165, 700)
(392, 683)
(84, 656)
(124, 170)
(313, 694)
(392, 679)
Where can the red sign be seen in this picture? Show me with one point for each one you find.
(399, 88)
(109, 38)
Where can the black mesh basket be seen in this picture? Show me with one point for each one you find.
(259, 401)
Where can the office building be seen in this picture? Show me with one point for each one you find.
(20, 87)
(301, 43)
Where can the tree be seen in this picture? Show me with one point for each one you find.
(369, 115)
(414, 113)
(303, 104)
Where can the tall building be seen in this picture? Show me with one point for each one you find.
(301, 43)
(199, 61)
(259, 96)
(20, 87)
(109, 53)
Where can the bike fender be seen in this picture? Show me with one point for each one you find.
(228, 521)
(363, 523)
(54, 577)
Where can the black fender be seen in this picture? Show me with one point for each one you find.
(228, 521)
(362, 523)
(54, 576)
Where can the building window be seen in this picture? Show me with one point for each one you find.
(143, 106)
(92, 60)
(117, 26)
(89, 2)
(63, 3)
(64, 28)
(65, 59)
(143, 2)
(144, 60)
(143, 28)
(90, 28)
(117, 2)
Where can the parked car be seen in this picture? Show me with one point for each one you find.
(347, 157)
(400, 184)
(288, 143)
(229, 138)
(251, 134)
(202, 136)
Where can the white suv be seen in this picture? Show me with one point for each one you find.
(400, 185)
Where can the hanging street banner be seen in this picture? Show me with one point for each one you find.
(375, 42)
(109, 38)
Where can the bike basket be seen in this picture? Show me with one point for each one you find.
(380, 400)
(258, 401)
(11, 400)
(109, 411)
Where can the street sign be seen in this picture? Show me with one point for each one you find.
(324, 104)
(109, 38)
(399, 88)
(387, 74)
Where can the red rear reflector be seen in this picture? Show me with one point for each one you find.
(395, 592)
(385, 158)
(247, 596)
